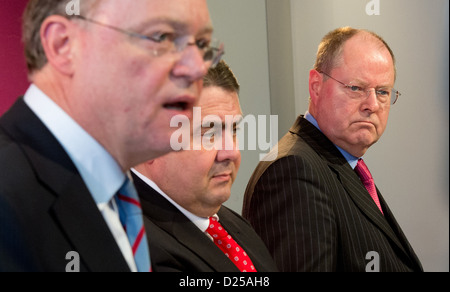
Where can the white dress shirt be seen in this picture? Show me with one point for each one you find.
(99, 170)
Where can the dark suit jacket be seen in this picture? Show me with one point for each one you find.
(313, 212)
(46, 209)
(177, 245)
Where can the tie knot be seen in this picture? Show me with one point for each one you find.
(363, 171)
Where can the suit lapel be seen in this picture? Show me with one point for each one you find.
(87, 230)
(74, 208)
(365, 203)
(398, 231)
(346, 175)
(167, 217)
(244, 239)
(192, 238)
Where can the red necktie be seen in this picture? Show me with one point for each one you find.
(229, 246)
(364, 174)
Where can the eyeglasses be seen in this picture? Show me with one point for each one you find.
(384, 96)
(212, 51)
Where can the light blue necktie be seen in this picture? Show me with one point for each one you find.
(131, 218)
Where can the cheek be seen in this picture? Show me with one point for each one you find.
(144, 77)
(195, 164)
(383, 118)
(143, 88)
(237, 165)
(335, 114)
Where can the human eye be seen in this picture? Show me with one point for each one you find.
(354, 88)
(208, 132)
(211, 137)
(202, 44)
(383, 92)
(161, 37)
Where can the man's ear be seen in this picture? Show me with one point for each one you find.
(315, 84)
(57, 40)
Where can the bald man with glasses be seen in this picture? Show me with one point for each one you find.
(316, 206)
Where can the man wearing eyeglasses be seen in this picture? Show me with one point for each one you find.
(316, 206)
(105, 85)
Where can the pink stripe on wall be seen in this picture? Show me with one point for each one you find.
(13, 72)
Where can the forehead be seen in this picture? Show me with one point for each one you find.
(219, 102)
(363, 48)
(365, 57)
(190, 14)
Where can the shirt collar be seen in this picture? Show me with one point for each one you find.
(352, 160)
(99, 170)
(201, 222)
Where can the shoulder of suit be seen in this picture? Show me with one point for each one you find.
(226, 214)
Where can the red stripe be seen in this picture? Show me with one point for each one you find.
(129, 200)
(138, 240)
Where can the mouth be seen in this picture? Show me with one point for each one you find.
(177, 106)
(366, 123)
(181, 104)
(224, 177)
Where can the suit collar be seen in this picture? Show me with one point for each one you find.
(201, 223)
(245, 239)
(73, 207)
(201, 245)
(166, 216)
(318, 141)
(352, 184)
(84, 151)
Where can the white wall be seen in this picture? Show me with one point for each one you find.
(242, 26)
(410, 162)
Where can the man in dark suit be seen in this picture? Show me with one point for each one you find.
(309, 205)
(183, 191)
(67, 146)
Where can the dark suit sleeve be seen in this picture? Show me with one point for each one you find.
(293, 215)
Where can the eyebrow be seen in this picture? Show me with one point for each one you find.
(359, 82)
(223, 123)
(176, 24)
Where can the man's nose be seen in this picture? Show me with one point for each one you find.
(191, 64)
(229, 150)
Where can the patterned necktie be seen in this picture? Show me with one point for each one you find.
(131, 218)
(364, 174)
(229, 246)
